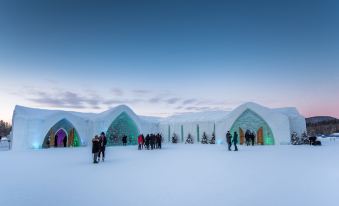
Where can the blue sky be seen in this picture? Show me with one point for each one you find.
(165, 57)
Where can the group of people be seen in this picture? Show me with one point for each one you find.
(230, 141)
(249, 138)
(151, 141)
(98, 147)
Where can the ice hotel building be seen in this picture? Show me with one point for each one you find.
(40, 128)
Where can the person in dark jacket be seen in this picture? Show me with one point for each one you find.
(56, 141)
(156, 139)
(95, 148)
(152, 141)
(65, 141)
(247, 137)
(103, 142)
(235, 141)
(229, 140)
(159, 141)
(124, 140)
(147, 141)
(252, 138)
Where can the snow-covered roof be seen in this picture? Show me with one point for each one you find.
(43, 113)
(212, 116)
(289, 111)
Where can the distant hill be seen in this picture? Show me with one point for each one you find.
(320, 125)
(319, 119)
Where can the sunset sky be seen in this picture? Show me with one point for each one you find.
(166, 57)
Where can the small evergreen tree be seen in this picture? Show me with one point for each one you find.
(189, 139)
(174, 138)
(204, 139)
(295, 140)
(212, 141)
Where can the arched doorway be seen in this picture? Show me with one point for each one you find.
(122, 125)
(60, 138)
(62, 134)
(251, 121)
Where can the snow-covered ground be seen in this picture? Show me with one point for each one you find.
(176, 175)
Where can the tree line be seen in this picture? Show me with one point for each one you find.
(5, 128)
(323, 127)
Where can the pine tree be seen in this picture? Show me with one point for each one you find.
(189, 139)
(204, 139)
(295, 140)
(174, 138)
(212, 141)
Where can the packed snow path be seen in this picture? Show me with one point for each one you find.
(176, 175)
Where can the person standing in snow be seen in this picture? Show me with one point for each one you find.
(95, 148)
(124, 140)
(65, 141)
(147, 141)
(103, 142)
(56, 141)
(143, 141)
(140, 142)
(156, 138)
(229, 140)
(235, 141)
(152, 141)
(247, 137)
(159, 141)
(252, 138)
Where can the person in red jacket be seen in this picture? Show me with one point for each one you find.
(140, 142)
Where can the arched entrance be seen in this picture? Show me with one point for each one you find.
(251, 121)
(122, 125)
(62, 134)
(60, 138)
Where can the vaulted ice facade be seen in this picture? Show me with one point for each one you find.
(39, 128)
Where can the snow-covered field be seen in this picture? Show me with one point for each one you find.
(176, 175)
